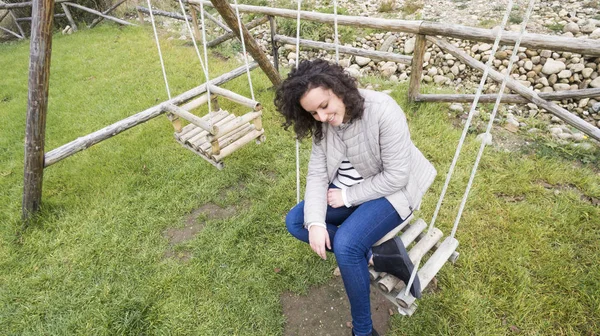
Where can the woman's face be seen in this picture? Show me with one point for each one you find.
(324, 106)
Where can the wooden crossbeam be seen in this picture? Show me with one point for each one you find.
(508, 98)
(376, 55)
(253, 104)
(91, 139)
(229, 35)
(95, 12)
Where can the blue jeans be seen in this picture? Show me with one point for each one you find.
(352, 232)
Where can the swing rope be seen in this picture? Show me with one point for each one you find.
(493, 116)
(162, 63)
(239, 19)
(489, 125)
(202, 64)
(297, 141)
(470, 117)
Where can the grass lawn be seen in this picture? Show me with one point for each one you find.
(99, 261)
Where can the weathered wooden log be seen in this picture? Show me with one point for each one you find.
(106, 12)
(238, 144)
(95, 12)
(15, 5)
(196, 31)
(213, 118)
(91, 139)
(200, 138)
(3, 15)
(27, 19)
(25, 4)
(229, 138)
(532, 41)
(430, 269)
(508, 98)
(532, 96)
(416, 69)
(230, 18)
(234, 97)
(239, 121)
(377, 55)
(12, 33)
(69, 17)
(158, 12)
(217, 22)
(195, 103)
(355, 21)
(40, 51)
(178, 111)
(252, 24)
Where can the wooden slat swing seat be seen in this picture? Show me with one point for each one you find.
(219, 133)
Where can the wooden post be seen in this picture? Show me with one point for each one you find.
(42, 13)
(69, 17)
(273, 26)
(416, 69)
(139, 12)
(194, 13)
(214, 103)
(227, 13)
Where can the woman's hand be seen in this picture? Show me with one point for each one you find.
(334, 198)
(318, 237)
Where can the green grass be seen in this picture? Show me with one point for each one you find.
(93, 263)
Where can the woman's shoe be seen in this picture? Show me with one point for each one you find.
(391, 257)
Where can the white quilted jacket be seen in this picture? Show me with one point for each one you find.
(379, 147)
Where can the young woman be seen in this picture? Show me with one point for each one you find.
(365, 177)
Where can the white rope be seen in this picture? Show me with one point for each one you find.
(162, 63)
(205, 59)
(192, 36)
(492, 117)
(471, 113)
(335, 28)
(297, 141)
(239, 19)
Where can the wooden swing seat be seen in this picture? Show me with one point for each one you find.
(393, 288)
(232, 133)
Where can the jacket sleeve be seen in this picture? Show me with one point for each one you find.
(395, 150)
(317, 182)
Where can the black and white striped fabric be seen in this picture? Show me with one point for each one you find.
(347, 176)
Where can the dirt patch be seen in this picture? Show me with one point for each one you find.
(511, 198)
(192, 226)
(557, 188)
(325, 311)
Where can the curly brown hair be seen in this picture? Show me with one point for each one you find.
(309, 75)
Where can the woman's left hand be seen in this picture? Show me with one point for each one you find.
(334, 198)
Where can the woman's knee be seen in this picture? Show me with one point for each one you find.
(348, 245)
(294, 220)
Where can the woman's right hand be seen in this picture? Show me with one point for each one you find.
(318, 237)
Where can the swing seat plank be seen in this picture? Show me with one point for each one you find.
(422, 242)
(232, 133)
